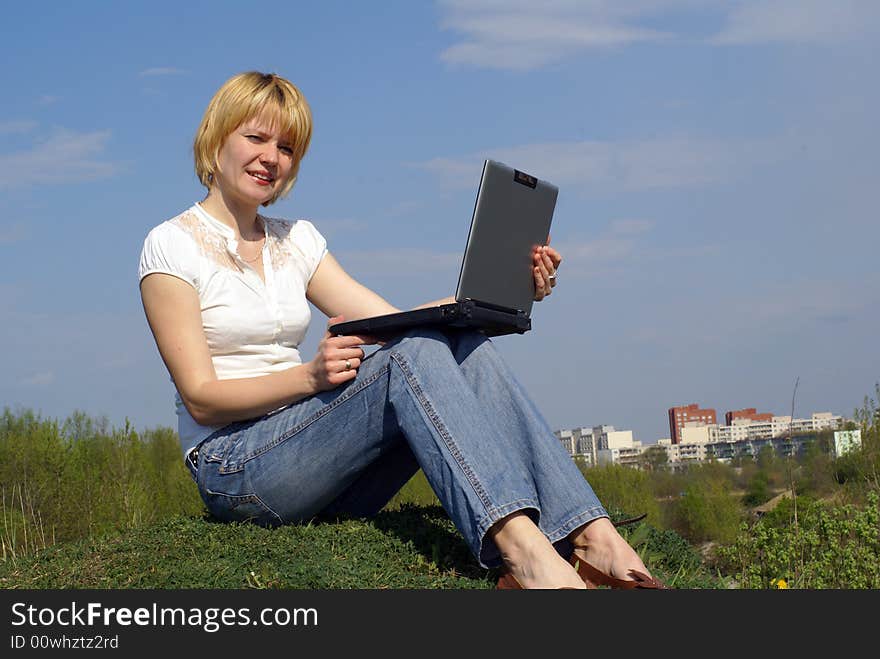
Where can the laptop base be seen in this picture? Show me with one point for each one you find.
(464, 314)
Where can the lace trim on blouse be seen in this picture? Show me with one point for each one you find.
(215, 246)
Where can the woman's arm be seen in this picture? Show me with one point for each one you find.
(546, 262)
(336, 293)
(172, 309)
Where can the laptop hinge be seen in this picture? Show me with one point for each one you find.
(494, 307)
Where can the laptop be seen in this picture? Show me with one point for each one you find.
(496, 287)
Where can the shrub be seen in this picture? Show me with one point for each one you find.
(81, 478)
(828, 547)
(624, 488)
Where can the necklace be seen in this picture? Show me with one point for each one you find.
(260, 239)
(259, 254)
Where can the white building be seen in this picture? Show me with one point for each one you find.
(609, 438)
(691, 433)
(846, 441)
(579, 442)
(779, 426)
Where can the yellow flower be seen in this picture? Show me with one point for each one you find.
(781, 584)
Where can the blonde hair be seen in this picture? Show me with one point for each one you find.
(241, 98)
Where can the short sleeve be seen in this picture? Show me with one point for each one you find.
(311, 244)
(169, 250)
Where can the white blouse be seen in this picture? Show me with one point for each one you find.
(253, 328)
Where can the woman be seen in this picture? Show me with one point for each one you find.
(272, 439)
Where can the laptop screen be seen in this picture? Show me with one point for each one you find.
(512, 214)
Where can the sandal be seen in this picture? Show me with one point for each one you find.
(508, 582)
(594, 577)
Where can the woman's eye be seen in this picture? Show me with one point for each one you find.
(286, 149)
(253, 138)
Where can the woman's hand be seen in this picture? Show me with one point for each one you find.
(337, 358)
(546, 262)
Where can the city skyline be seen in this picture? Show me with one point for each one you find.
(669, 436)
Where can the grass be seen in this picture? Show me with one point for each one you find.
(409, 548)
(413, 547)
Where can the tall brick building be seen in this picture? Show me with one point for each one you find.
(749, 413)
(679, 416)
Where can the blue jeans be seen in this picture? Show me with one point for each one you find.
(442, 401)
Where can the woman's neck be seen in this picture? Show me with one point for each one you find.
(241, 218)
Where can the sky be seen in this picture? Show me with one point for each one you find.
(716, 164)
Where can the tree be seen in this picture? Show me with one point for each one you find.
(655, 458)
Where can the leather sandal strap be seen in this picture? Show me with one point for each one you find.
(630, 520)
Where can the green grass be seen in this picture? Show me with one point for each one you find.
(412, 547)
(408, 548)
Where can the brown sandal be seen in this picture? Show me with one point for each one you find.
(631, 520)
(594, 577)
(508, 582)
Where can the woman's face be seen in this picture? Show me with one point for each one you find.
(254, 162)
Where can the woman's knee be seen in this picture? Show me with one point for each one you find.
(422, 339)
(449, 347)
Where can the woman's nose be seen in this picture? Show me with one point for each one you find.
(269, 154)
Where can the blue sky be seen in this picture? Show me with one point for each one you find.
(716, 162)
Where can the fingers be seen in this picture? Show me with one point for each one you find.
(545, 271)
(549, 265)
(542, 289)
(333, 321)
(555, 257)
(333, 350)
(350, 364)
(349, 341)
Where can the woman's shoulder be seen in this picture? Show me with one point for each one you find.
(284, 229)
(282, 224)
(187, 222)
(294, 241)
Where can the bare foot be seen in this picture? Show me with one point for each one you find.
(529, 556)
(599, 544)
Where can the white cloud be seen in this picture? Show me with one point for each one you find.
(17, 127)
(161, 71)
(799, 21)
(39, 379)
(65, 157)
(523, 36)
(607, 167)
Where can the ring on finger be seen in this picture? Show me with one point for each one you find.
(347, 364)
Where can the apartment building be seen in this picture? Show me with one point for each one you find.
(748, 414)
(589, 443)
(777, 426)
(748, 433)
(630, 456)
(680, 417)
(579, 442)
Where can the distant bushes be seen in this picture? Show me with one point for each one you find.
(625, 489)
(81, 478)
